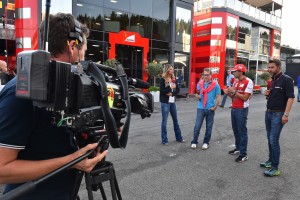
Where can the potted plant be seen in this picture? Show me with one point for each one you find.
(154, 70)
(153, 89)
(265, 76)
(111, 62)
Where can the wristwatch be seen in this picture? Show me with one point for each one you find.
(233, 93)
(286, 114)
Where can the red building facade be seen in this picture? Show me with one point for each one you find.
(226, 33)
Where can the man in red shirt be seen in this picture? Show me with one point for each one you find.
(240, 94)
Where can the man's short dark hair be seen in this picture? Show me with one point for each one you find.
(207, 70)
(276, 62)
(60, 27)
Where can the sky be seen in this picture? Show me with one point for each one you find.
(290, 34)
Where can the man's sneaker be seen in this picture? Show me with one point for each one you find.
(193, 146)
(241, 159)
(267, 164)
(205, 146)
(182, 141)
(166, 144)
(272, 172)
(234, 152)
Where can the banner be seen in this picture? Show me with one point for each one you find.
(10, 6)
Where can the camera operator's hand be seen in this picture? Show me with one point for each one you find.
(89, 163)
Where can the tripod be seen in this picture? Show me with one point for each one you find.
(102, 172)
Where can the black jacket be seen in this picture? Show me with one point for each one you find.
(5, 78)
(163, 90)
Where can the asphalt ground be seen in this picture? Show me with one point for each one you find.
(146, 169)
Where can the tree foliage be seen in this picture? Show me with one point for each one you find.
(251, 74)
(265, 76)
(111, 62)
(154, 69)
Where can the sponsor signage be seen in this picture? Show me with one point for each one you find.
(130, 38)
(10, 6)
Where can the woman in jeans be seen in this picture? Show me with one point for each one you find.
(168, 90)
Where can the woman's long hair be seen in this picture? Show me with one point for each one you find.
(165, 74)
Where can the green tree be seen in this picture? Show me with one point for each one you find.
(265, 76)
(154, 70)
(251, 74)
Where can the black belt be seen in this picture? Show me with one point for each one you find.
(272, 110)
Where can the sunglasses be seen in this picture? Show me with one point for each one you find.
(206, 74)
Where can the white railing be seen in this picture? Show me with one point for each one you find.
(243, 8)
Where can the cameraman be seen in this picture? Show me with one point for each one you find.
(30, 145)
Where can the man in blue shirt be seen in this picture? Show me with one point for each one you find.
(209, 98)
(229, 83)
(30, 145)
(298, 83)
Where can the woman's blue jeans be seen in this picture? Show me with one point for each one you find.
(273, 121)
(209, 119)
(239, 118)
(167, 108)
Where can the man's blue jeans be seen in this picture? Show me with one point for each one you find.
(239, 118)
(273, 121)
(167, 108)
(224, 100)
(209, 118)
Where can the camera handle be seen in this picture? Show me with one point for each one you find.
(110, 124)
(30, 186)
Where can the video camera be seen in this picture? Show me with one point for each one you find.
(86, 97)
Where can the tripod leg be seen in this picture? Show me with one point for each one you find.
(88, 182)
(113, 188)
(102, 191)
(117, 188)
(78, 179)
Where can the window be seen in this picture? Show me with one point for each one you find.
(231, 28)
(264, 41)
(230, 56)
(231, 32)
(141, 25)
(141, 7)
(115, 21)
(244, 39)
(90, 15)
(122, 5)
(183, 29)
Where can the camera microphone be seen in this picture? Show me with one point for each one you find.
(138, 83)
